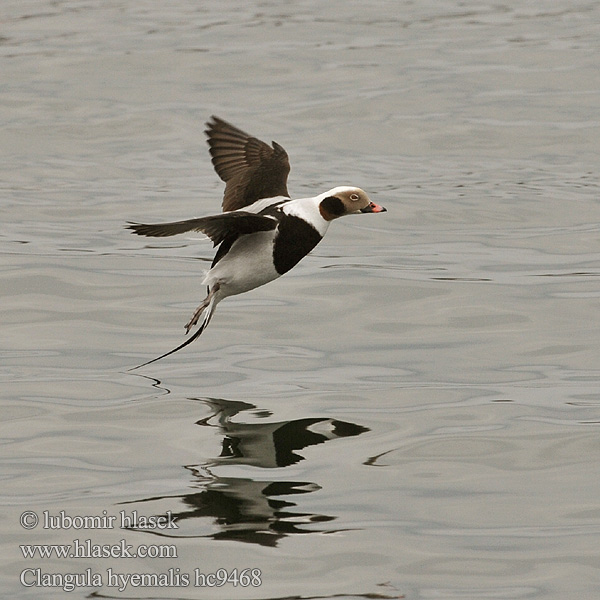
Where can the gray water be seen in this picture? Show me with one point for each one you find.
(413, 412)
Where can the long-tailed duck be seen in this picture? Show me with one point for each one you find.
(262, 232)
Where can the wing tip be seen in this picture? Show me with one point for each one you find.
(134, 227)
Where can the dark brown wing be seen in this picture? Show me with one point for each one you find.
(251, 169)
(216, 227)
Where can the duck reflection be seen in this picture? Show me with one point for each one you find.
(254, 510)
(270, 445)
(247, 510)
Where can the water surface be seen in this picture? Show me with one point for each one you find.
(411, 412)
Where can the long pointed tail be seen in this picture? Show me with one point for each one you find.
(206, 317)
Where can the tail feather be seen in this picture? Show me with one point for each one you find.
(206, 317)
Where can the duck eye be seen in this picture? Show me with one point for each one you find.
(354, 197)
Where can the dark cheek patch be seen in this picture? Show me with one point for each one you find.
(331, 208)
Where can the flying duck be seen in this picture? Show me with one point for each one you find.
(262, 233)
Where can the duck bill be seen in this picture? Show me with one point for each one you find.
(373, 208)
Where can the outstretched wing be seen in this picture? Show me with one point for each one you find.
(251, 169)
(216, 227)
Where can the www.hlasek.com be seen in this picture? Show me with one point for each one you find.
(86, 549)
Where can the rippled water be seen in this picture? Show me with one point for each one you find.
(413, 411)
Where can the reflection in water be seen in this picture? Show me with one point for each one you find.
(246, 509)
(270, 445)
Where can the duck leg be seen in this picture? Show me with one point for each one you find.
(205, 304)
(208, 305)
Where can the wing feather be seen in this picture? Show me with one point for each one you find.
(251, 169)
(216, 227)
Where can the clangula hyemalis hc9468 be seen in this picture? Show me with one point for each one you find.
(262, 233)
